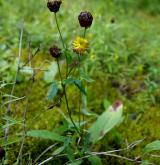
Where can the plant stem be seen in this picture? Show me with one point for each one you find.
(62, 41)
(84, 35)
(79, 108)
(59, 70)
(69, 112)
(59, 31)
(66, 99)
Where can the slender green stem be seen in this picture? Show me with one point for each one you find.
(59, 31)
(60, 34)
(63, 86)
(59, 70)
(66, 99)
(79, 108)
(69, 72)
(84, 35)
(69, 112)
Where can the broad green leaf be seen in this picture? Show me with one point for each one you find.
(154, 146)
(69, 80)
(45, 135)
(49, 75)
(105, 122)
(95, 160)
(53, 91)
(78, 162)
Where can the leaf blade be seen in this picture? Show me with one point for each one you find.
(45, 135)
(105, 122)
(53, 91)
(154, 146)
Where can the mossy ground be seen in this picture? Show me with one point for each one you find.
(124, 62)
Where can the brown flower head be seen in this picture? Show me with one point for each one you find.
(54, 5)
(55, 51)
(85, 19)
(112, 20)
(2, 153)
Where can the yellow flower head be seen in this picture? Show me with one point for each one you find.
(80, 45)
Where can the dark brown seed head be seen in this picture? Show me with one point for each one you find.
(55, 51)
(54, 5)
(85, 19)
(112, 20)
(2, 153)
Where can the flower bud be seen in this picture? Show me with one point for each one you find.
(85, 19)
(55, 51)
(54, 5)
(112, 20)
(2, 153)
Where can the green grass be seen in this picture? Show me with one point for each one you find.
(124, 61)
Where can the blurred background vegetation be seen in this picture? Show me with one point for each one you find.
(124, 61)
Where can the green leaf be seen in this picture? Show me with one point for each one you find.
(45, 135)
(105, 122)
(69, 80)
(154, 146)
(85, 77)
(76, 82)
(95, 160)
(58, 150)
(79, 84)
(62, 128)
(49, 75)
(78, 162)
(53, 91)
